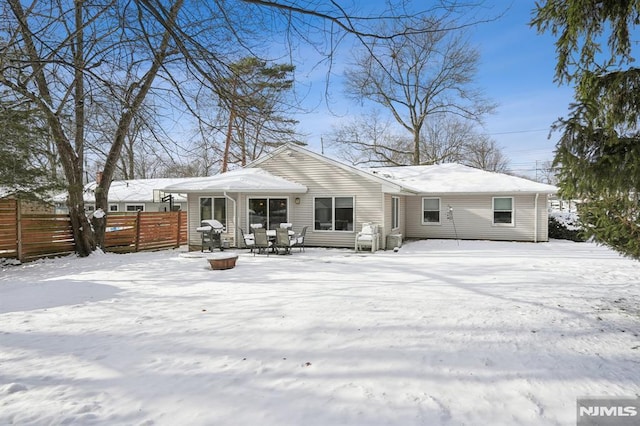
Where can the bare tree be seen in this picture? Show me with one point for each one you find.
(547, 172)
(445, 139)
(374, 141)
(418, 76)
(366, 139)
(483, 153)
(146, 145)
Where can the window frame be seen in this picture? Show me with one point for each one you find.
(126, 207)
(112, 210)
(267, 201)
(333, 213)
(439, 222)
(213, 198)
(512, 223)
(395, 212)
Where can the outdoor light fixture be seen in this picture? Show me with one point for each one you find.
(297, 200)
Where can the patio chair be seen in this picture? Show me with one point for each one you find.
(248, 240)
(283, 242)
(286, 225)
(367, 238)
(299, 239)
(261, 243)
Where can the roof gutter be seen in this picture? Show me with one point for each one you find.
(243, 190)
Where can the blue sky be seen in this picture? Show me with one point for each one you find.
(516, 71)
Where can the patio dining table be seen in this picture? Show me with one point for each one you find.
(271, 234)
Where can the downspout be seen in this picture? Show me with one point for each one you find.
(186, 197)
(235, 214)
(383, 243)
(535, 215)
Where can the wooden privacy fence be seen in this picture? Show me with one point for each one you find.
(32, 236)
(8, 228)
(145, 231)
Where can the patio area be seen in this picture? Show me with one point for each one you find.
(441, 332)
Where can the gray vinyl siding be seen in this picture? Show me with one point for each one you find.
(473, 218)
(148, 206)
(326, 180)
(193, 207)
(388, 229)
(543, 218)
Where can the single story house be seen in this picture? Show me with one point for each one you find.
(130, 196)
(295, 185)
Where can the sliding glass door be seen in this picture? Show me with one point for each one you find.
(270, 212)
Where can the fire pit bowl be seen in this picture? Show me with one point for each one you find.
(222, 261)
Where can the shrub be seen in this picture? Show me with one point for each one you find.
(564, 226)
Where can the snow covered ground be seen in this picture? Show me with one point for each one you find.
(440, 333)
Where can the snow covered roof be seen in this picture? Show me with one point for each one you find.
(5, 192)
(134, 190)
(457, 178)
(440, 178)
(242, 180)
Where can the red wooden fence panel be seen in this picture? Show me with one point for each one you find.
(8, 228)
(120, 235)
(44, 235)
(158, 230)
(183, 227)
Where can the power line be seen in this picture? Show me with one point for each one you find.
(518, 131)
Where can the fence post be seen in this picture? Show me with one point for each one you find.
(19, 254)
(179, 229)
(137, 231)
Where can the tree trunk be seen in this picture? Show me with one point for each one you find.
(99, 221)
(82, 231)
(85, 242)
(416, 148)
(227, 145)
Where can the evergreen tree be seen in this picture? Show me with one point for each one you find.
(253, 100)
(24, 171)
(598, 154)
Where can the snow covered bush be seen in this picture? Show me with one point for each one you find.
(565, 226)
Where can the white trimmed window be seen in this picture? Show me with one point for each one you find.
(213, 208)
(269, 212)
(113, 207)
(503, 211)
(395, 212)
(333, 213)
(135, 207)
(431, 211)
